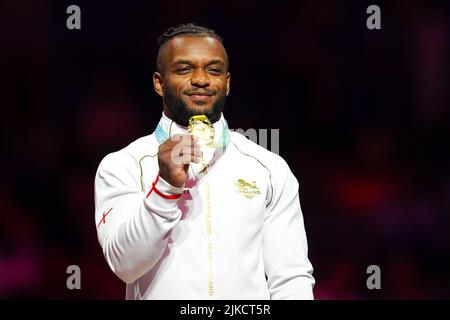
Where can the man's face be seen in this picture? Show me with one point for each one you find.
(194, 78)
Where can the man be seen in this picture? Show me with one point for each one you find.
(181, 218)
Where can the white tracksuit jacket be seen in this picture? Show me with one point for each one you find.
(236, 232)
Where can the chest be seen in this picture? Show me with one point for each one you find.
(234, 183)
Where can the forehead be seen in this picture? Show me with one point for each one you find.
(194, 49)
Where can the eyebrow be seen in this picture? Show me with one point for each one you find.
(185, 61)
(216, 61)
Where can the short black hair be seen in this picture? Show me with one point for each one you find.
(189, 30)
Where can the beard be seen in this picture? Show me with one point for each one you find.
(181, 113)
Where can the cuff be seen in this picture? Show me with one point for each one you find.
(163, 197)
(166, 188)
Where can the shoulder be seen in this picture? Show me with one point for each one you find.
(128, 157)
(271, 160)
(282, 180)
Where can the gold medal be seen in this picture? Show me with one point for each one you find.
(200, 127)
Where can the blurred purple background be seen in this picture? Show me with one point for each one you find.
(363, 118)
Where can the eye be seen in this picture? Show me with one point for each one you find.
(183, 70)
(215, 71)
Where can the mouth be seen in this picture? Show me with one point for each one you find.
(200, 96)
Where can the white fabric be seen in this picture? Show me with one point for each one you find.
(160, 247)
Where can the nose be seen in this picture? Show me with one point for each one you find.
(200, 78)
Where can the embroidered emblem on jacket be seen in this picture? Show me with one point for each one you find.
(103, 220)
(249, 190)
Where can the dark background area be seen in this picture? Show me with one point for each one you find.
(363, 118)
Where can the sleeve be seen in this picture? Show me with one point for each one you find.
(285, 248)
(132, 227)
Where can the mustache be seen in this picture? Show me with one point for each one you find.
(200, 91)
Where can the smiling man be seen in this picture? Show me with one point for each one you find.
(192, 77)
(194, 211)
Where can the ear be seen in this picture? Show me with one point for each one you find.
(228, 82)
(158, 83)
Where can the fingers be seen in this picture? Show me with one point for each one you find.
(187, 147)
(186, 150)
(185, 138)
(186, 159)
